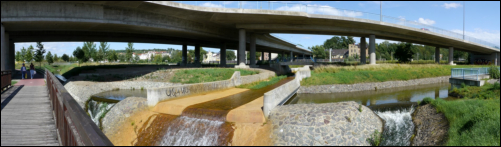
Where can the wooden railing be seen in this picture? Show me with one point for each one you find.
(6, 79)
(74, 126)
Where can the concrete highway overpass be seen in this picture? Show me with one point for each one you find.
(177, 23)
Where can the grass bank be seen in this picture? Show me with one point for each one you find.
(13, 82)
(189, 76)
(475, 119)
(259, 85)
(326, 75)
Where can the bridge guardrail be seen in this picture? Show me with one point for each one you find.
(74, 126)
(469, 73)
(328, 10)
(6, 79)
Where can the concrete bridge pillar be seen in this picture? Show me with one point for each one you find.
(304, 57)
(283, 57)
(451, 56)
(241, 47)
(437, 55)
(12, 57)
(198, 60)
(4, 50)
(372, 49)
(185, 55)
(262, 56)
(222, 55)
(269, 57)
(292, 57)
(252, 50)
(363, 50)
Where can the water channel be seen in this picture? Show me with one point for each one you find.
(205, 124)
(394, 106)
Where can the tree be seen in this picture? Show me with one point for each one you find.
(157, 59)
(65, 58)
(29, 54)
(128, 51)
(56, 58)
(404, 52)
(89, 49)
(18, 56)
(136, 59)
(151, 58)
(112, 56)
(230, 55)
(338, 42)
(39, 53)
(80, 55)
(23, 54)
(103, 51)
(49, 58)
(319, 52)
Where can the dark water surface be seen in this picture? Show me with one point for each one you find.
(116, 96)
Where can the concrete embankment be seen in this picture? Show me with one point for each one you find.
(331, 124)
(156, 95)
(370, 86)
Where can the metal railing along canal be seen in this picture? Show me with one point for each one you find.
(6, 79)
(469, 73)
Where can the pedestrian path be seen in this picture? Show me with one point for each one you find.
(26, 117)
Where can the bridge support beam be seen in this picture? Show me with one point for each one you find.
(252, 50)
(241, 61)
(363, 51)
(4, 50)
(185, 55)
(222, 55)
(262, 56)
(269, 57)
(372, 49)
(451, 56)
(292, 57)
(437, 55)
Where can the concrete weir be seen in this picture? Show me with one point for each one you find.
(281, 94)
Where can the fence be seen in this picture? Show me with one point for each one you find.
(327, 10)
(74, 126)
(6, 79)
(469, 73)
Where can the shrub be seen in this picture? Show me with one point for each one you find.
(426, 101)
(376, 138)
(494, 72)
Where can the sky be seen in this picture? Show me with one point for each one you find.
(482, 19)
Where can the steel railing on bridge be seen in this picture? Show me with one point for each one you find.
(469, 73)
(328, 10)
(6, 79)
(74, 126)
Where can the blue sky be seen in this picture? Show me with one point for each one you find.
(482, 19)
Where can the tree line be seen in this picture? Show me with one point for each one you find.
(403, 52)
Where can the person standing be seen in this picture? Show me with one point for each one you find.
(32, 70)
(23, 71)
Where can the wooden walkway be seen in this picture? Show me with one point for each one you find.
(27, 118)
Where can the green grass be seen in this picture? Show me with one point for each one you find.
(189, 76)
(475, 119)
(259, 85)
(326, 75)
(13, 82)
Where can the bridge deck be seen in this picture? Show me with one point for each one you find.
(26, 117)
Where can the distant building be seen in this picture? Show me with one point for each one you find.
(352, 51)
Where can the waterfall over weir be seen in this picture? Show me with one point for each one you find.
(186, 131)
(398, 127)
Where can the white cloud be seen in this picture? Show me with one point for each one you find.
(426, 21)
(320, 9)
(451, 5)
(306, 37)
(227, 2)
(483, 35)
(58, 48)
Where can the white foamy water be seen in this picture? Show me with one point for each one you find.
(398, 127)
(97, 109)
(186, 131)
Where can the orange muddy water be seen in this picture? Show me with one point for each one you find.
(201, 124)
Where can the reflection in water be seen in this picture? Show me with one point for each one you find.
(115, 96)
(403, 95)
(398, 126)
(202, 124)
